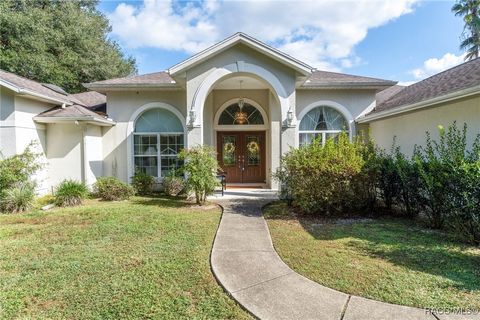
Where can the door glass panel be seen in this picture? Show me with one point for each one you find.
(229, 146)
(253, 150)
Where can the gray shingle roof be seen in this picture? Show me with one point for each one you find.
(386, 94)
(332, 79)
(156, 78)
(73, 111)
(461, 77)
(34, 86)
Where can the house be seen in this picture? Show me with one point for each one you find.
(250, 101)
(407, 113)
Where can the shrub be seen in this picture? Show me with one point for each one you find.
(70, 193)
(45, 200)
(112, 189)
(201, 170)
(320, 177)
(173, 184)
(142, 183)
(19, 168)
(18, 198)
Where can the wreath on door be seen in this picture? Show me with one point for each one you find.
(229, 147)
(253, 147)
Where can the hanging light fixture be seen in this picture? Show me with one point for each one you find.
(240, 117)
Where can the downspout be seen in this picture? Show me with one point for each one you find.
(83, 153)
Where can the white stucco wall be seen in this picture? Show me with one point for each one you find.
(409, 129)
(121, 106)
(8, 145)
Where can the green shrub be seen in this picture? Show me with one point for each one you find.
(70, 193)
(18, 198)
(320, 177)
(142, 183)
(19, 168)
(112, 189)
(173, 184)
(200, 167)
(45, 200)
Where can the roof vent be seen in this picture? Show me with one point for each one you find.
(55, 88)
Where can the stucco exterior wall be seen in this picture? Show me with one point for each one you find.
(8, 145)
(64, 153)
(409, 129)
(121, 106)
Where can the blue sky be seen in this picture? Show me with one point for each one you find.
(404, 40)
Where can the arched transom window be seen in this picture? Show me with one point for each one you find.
(241, 113)
(321, 123)
(158, 138)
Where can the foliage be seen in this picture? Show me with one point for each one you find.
(61, 42)
(19, 168)
(18, 198)
(320, 176)
(45, 200)
(201, 171)
(142, 183)
(173, 184)
(470, 11)
(112, 189)
(70, 193)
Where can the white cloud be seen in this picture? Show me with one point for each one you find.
(322, 33)
(436, 65)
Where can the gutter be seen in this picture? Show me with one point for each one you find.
(22, 91)
(94, 86)
(89, 119)
(420, 105)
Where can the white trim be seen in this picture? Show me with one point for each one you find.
(131, 127)
(247, 127)
(239, 37)
(334, 105)
(32, 94)
(420, 105)
(86, 119)
(214, 77)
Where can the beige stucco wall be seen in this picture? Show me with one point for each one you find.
(409, 129)
(121, 106)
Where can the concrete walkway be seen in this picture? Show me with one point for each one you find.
(247, 266)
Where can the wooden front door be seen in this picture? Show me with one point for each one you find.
(242, 156)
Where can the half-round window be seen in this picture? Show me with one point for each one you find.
(157, 140)
(241, 113)
(321, 123)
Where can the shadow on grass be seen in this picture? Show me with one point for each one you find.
(161, 200)
(396, 240)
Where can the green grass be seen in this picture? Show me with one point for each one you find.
(386, 259)
(144, 258)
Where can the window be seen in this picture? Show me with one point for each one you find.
(321, 123)
(157, 140)
(234, 115)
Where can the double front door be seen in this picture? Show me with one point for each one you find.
(242, 156)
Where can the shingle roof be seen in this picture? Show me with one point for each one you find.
(386, 94)
(332, 79)
(458, 78)
(74, 111)
(92, 100)
(30, 85)
(156, 78)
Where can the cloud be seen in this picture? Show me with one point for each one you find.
(321, 33)
(436, 65)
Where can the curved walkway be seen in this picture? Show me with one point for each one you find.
(245, 262)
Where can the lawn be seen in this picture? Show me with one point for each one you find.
(144, 258)
(385, 259)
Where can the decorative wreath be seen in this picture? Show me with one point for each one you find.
(229, 147)
(253, 147)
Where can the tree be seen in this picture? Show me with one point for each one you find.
(63, 42)
(470, 11)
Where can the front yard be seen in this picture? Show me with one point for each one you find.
(143, 258)
(387, 259)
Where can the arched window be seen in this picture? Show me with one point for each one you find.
(321, 123)
(158, 138)
(241, 113)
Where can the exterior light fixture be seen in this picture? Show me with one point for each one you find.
(240, 117)
(290, 117)
(192, 116)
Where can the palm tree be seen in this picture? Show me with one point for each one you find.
(470, 11)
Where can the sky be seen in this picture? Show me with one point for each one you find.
(402, 40)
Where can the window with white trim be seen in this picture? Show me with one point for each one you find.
(321, 123)
(157, 139)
